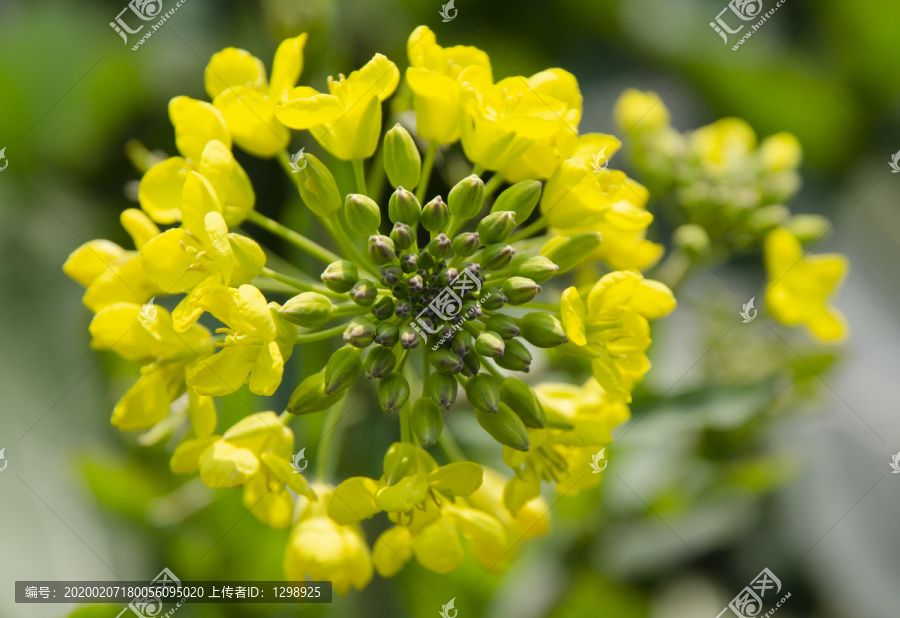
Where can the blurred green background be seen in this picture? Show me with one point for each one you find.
(734, 465)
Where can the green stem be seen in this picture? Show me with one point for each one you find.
(360, 174)
(320, 335)
(492, 185)
(298, 284)
(478, 169)
(404, 424)
(375, 181)
(427, 166)
(325, 463)
(337, 230)
(299, 240)
(449, 446)
(345, 310)
(538, 225)
(493, 370)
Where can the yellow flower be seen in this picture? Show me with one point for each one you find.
(110, 273)
(258, 342)
(780, 152)
(637, 111)
(236, 82)
(202, 138)
(612, 329)
(255, 454)
(201, 251)
(165, 354)
(346, 122)
(724, 145)
(433, 79)
(800, 286)
(323, 550)
(578, 198)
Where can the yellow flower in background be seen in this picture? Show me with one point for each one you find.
(202, 138)
(727, 144)
(236, 82)
(780, 152)
(320, 549)
(346, 122)
(433, 78)
(258, 342)
(110, 273)
(639, 112)
(612, 328)
(800, 286)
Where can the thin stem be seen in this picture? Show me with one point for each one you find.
(492, 185)
(493, 370)
(320, 335)
(360, 174)
(478, 169)
(337, 230)
(448, 445)
(345, 310)
(298, 284)
(538, 225)
(404, 424)
(325, 463)
(299, 240)
(427, 166)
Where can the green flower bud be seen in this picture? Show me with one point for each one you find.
(403, 207)
(569, 252)
(503, 325)
(383, 308)
(400, 461)
(402, 160)
(466, 198)
(808, 228)
(483, 392)
(466, 244)
(446, 361)
(440, 247)
(401, 290)
(462, 343)
(497, 256)
(497, 226)
(393, 393)
(489, 344)
(387, 334)
(505, 427)
(691, 238)
(516, 357)
(435, 215)
(403, 236)
(391, 274)
(768, 217)
(362, 214)
(426, 260)
(543, 330)
(409, 337)
(318, 188)
(520, 290)
(310, 396)
(340, 276)
(535, 267)
(523, 401)
(442, 389)
(360, 332)
(409, 263)
(308, 309)
(493, 298)
(381, 249)
(426, 422)
(471, 365)
(379, 362)
(342, 370)
(521, 198)
(364, 293)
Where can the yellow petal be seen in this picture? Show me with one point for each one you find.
(353, 500)
(266, 375)
(117, 328)
(186, 458)
(378, 77)
(652, 299)
(250, 116)
(229, 180)
(91, 260)
(272, 506)
(160, 190)
(392, 550)
(202, 410)
(149, 400)
(437, 547)
(139, 226)
(460, 478)
(572, 313)
(224, 465)
(305, 108)
(223, 372)
(233, 67)
(196, 123)
(287, 66)
(249, 259)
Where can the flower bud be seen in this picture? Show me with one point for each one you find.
(447, 275)
(342, 370)
(440, 246)
(426, 261)
(308, 309)
(446, 361)
(497, 256)
(442, 389)
(521, 198)
(403, 236)
(435, 215)
(493, 299)
(543, 330)
(483, 392)
(383, 308)
(466, 198)
(471, 310)
(569, 252)
(808, 228)
(387, 334)
(503, 325)
(409, 262)
(496, 227)
(535, 267)
(403, 207)
(516, 357)
(489, 344)
(340, 276)
(402, 160)
(381, 249)
(364, 293)
(426, 422)
(520, 290)
(362, 214)
(415, 283)
(403, 310)
(310, 396)
(400, 461)
(318, 188)
(471, 365)
(401, 290)
(409, 337)
(379, 362)
(691, 238)
(462, 343)
(393, 393)
(360, 332)
(466, 244)
(505, 427)
(523, 401)
(391, 274)
(767, 217)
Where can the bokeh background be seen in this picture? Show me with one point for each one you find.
(731, 468)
